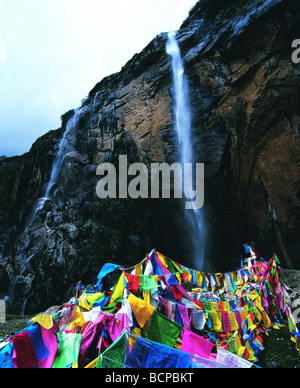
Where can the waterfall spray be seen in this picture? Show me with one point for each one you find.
(65, 146)
(183, 128)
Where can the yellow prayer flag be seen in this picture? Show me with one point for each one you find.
(132, 338)
(146, 296)
(217, 321)
(238, 292)
(93, 298)
(119, 290)
(178, 277)
(243, 315)
(251, 352)
(237, 340)
(218, 275)
(239, 281)
(226, 306)
(87, 300)
(45, 320)
(266, 319)
(233, 322)
(162, 259)
(142, 310)
(155, 277)
(251, 325)
(257, 302)
(199, 278)
(293, 339)
(84, 303)
(79, 318)
(138, 269)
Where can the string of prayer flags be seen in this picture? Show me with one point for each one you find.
(159, 313)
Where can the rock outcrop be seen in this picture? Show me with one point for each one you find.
(244, 92)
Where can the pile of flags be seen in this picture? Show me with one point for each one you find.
(159, 314)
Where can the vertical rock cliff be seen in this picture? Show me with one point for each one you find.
(244, 93)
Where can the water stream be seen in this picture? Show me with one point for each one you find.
(65, 146)
(183, 128)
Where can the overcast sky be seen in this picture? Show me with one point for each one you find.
(53, 52)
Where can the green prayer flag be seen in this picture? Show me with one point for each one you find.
(68, 350)
(56, 317)
(114, 356)
(171, 267)
(163, 330)
(178, 268)
(147, 283)
(232, 348)
(111, 308)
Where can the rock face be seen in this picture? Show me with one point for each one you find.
(244, 92)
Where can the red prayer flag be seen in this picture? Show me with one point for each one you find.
(133, 283)
(26, 356)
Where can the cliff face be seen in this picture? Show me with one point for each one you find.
(244, 92)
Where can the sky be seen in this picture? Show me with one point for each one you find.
(53, 52)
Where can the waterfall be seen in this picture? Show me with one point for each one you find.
(65, 146)
(183, 128)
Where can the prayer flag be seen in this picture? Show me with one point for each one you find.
(141, 310)
(163, 330)
(26, 356)
(68, 350)
(114, 356)
(194, 344)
